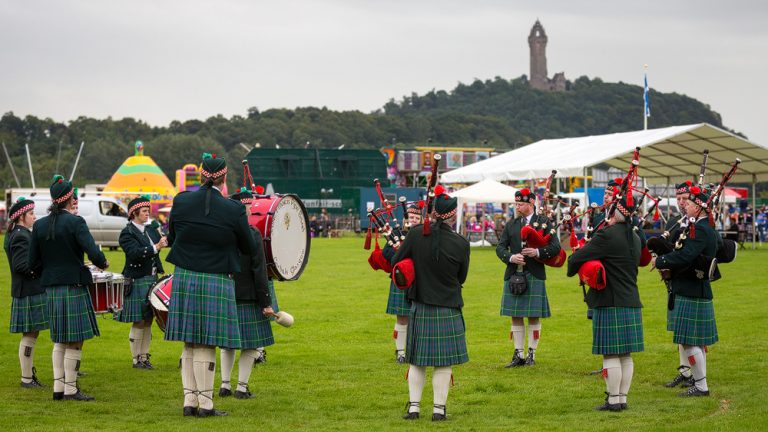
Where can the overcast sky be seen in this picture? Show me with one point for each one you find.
(160, 61)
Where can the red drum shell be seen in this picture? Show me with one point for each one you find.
(106, 295)
(160, 300)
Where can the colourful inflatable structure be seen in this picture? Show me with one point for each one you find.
(140, 175)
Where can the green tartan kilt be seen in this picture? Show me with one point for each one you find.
(203, 309)
(136, 305)
(273, 296)
(671, 316)
(398, 303)
(617, 330)
(28, 314)
(436, 336)
(255, 328)
(694, 321)
(70, 313)
(532, 303)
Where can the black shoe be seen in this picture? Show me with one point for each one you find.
(34, 383)
(623, 406)
(679, 379)
(529, 359)
(190, 411)
(243, 394)
(147, 364)
(58, 395)
(694, 391)
(261, 358)
(608, 407)
(79, 396)
(438, 416)
(225, 392)
(139, 365)
(411, 415)
(399, 356)
(517, 360)
(210, 413)
(689, 382)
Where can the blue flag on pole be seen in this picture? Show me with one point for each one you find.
(646, 97)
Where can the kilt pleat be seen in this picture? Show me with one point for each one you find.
(255, 328)
(203, 309)
(617, 330)
(28, 314)
(532, 303)
(70, 314)
(273, 296)
(398, 303)
(436, 336)
(136, 305)
(671, 316)
(694, 321)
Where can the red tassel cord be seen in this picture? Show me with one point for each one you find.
(367, 245)
(656, 214)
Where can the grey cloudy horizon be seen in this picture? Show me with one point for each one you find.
(159, 61)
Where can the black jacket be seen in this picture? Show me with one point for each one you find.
(511, 244)
(25, 280)
(681, 261)
(140, 256)
(251, 283)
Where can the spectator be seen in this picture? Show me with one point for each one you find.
(314, 227)
(473, 226)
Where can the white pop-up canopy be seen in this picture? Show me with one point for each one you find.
(485, 191)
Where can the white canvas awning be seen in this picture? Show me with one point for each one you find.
(485, 191)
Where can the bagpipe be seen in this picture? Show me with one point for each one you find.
(383, 221)
(537, 236)
(431, 189)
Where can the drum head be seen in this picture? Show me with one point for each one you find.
(289, 238)
(155, 301)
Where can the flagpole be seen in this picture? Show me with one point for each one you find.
(645, 97)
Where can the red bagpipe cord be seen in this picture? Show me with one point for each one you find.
(656, 214)
(367, 245)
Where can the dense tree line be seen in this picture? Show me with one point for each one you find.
(505, 113)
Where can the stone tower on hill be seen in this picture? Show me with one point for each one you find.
(537, 41)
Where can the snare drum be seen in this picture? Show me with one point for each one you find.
(160, 300)
(284, 225)
(118, 292)
(103, 293)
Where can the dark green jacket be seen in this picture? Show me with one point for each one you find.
(251, 283)
(438, 282)
(140, 256)
(25, 280)
(62, 256)
(510, 244)
(681, 261)
(610, 246)
(599, 217)
(208, 244)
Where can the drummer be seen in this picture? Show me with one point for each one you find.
(253, 312)
(207, 232)
(28, 314)
(142, 264)
(58, 242)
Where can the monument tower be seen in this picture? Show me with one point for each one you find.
(537, 41)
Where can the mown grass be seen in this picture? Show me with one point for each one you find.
(335, 370)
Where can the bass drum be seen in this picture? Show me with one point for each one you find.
(284, 225)
(160, 300)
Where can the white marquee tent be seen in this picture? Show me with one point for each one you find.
(485, 191)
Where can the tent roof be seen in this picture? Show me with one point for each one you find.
(673, 153)
(486, 191)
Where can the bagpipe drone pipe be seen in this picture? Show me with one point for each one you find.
(538, 236)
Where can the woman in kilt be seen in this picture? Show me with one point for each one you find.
(28, 315)
(436, 332)
(617, 320)
(694, 318)
(207, 232)
(58, 243)
(253, 312)
(398, 303)
(521, 260)
(141, 246)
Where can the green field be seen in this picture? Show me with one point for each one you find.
(335, 369)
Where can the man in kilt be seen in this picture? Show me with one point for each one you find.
(253, 312)
(525, 261)
(141, 245)
(398, 303)
(694, 318)
(58, 243)
(28, 315)
(207, 233)
(617, 321)
(436, 332)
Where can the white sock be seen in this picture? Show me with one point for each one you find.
(145, 341)
(401, 334)
(58, 367)
(134, 337)
(227, 363)
(627, 371)
(26, 352)
(204, 360)
(612, 376)
(441, 383)
(698, 362)
(685, 365)
(188, 378)
(534, 333)
(71, 365)
(417, 375)
(245, 366)
(518, 336)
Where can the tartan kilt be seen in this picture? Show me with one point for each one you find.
(694, 321)
(398, 303)
(532, 303)
(136, 305)
(70, 313)
(617, 330)
(273, 296)
(255, 328)
(671, 316)
(203, 309)
(436, 336)
(28, 314)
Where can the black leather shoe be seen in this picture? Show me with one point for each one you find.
(679, 379)
(529, 359)
(243, 394)
(517, 360)
(58, 395)
(190, 411)
(623, 406)
(225, 392)
(31, 384)
(139, 365)
(79, 396)
(694, 391)
(147, 364)
(689, 382)
(438, 417)
(608, 407)
(411, 415)
(210, 413)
